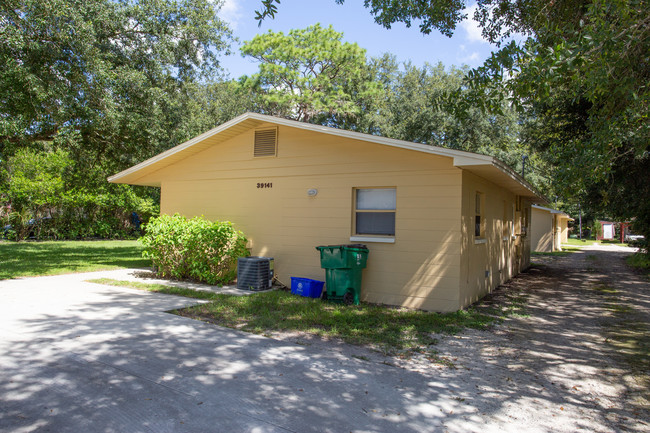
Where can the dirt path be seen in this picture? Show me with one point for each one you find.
(578, 361)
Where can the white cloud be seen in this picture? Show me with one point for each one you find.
(471, 59)
(471, 27)
(465, 57)
(231, 12)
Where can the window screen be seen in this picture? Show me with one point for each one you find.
(374, 212)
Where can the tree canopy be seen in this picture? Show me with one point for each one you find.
(309, 73)
(580, 75)
(91, 87)
(101, 76)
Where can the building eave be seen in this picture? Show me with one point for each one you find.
(481, 165)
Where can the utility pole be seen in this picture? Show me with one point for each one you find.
(580, 219)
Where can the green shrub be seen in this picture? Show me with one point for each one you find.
(640, 260)
(41, 199)
(195, 248)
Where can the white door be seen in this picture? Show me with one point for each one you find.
(608, 231)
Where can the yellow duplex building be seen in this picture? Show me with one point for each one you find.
(549, 229)
(444, 227)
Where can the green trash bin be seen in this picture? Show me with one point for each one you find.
(343, 265)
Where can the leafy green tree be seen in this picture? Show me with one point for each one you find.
(584, 64)
(41, 195)
(108, 84)
(420, 105)
(584, 88)
(309, 75)
(101, 77)
(32, 184)
(209, 104)
(442, 15)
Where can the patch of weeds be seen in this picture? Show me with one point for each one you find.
(565, 252)
(387, 329)
(628, 334)
(604, 289)
(580, 242)
(504, 302)
(157, 288)
(517, 306)
(613, 242)
(435, 358)
(619, 308)
(640, 261)
(361, 357)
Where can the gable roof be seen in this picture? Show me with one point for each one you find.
(482, 165)
(553, 211)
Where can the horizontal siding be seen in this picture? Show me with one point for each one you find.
(430, 303)
(486, 265)
(421, 269)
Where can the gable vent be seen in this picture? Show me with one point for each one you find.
(266, 142)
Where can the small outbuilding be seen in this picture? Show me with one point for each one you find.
(444, 227)
(607, 231)
(549, 229)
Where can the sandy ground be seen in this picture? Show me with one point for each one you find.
(565, 365)
(80, 357)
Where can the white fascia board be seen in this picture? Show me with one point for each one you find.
(468, 158)
(460, 158)
(554, 212)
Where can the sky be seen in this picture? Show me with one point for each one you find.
(466, 47)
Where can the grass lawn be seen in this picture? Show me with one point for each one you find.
(608, 242)
(581, 243)
(565, 252)
(23, 259)
(392, 330)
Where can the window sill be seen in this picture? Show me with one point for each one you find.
(372, 239)
(480, 241)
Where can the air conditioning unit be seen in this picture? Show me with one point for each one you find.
(254, 273)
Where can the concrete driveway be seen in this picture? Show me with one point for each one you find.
(81, 357)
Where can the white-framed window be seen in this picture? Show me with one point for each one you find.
(374, 212)
(479, 216)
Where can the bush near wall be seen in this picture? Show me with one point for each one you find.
(195, 249)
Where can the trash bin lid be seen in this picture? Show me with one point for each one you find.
(349, 246)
